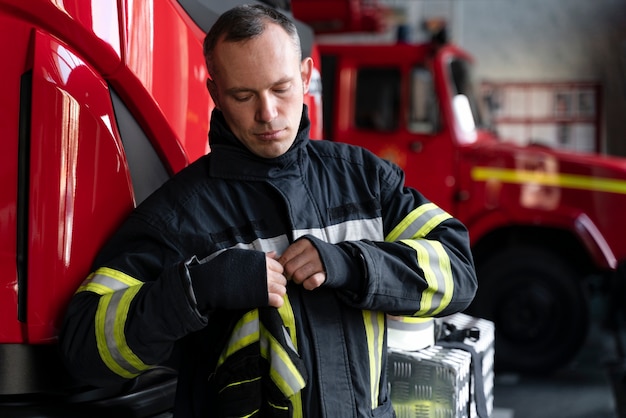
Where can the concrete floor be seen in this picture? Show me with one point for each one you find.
(581, 390)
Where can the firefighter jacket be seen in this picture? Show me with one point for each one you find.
(188, 266)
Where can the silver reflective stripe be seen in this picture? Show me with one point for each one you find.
(346, 231)
(278, 244)
(377, 349)
(106, 281)
(283, 372)
(371, 229)
(249, 330)
(435, 264)
(109, 332)
(374, 322)
(419, 222)
(433, 258)
(246, 332)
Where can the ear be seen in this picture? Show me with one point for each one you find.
(306, 71)
(210, 85)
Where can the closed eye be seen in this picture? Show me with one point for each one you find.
(242, 98)
(282, 88)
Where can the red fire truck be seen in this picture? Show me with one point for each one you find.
(101, 102)
(547, 226)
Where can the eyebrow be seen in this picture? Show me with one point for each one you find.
(236, 90)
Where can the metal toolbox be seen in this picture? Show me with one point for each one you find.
(440, 380)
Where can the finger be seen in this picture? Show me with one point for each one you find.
(275, 301)
(300, 273)
(277, 287)
(294, 250)
(314, 281)
(297, 256)
(277, 278)
(273, 265)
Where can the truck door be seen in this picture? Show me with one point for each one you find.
(398, 117)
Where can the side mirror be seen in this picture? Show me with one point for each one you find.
(464, 117)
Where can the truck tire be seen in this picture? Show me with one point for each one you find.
(539, 308)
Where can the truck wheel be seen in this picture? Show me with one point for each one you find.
(538, 306)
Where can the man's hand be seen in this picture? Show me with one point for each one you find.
(276, 281)
(303, 265)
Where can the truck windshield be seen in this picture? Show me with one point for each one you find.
(377, 99)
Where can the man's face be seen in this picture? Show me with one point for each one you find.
(259, 86)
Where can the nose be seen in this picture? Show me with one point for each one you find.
(267, 110)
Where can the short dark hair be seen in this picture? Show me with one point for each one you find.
(245, 22)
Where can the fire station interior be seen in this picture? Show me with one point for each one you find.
(536, 64)
(551, 73)
(545, 74)
(531, 53)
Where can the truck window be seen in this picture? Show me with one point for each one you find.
(147, 171)
(461, 82)
(377, 99)
(424, 110)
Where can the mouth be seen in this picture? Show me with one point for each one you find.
(269, 135)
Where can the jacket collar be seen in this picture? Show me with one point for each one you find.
(231, 159)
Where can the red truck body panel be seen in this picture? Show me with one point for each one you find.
(80, 186)
(75, 178)
(539, 186)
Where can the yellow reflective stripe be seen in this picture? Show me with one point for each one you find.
(120, 323)
(273, 405)
(245, 332)
(110, 321)
(282, 371)
(418, 223)
(95, 288)
(101, 342)
(572, 181)
(435, 263)
(230, 385)
(107, 280)
(289, 320)
(374, 330)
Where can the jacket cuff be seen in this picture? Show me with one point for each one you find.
(343, 263)
(234, 279)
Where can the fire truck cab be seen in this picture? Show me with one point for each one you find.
(542, 221)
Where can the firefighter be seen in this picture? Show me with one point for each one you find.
(270, 263)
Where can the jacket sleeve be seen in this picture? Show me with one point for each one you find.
(424, 266)
(127, 315)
